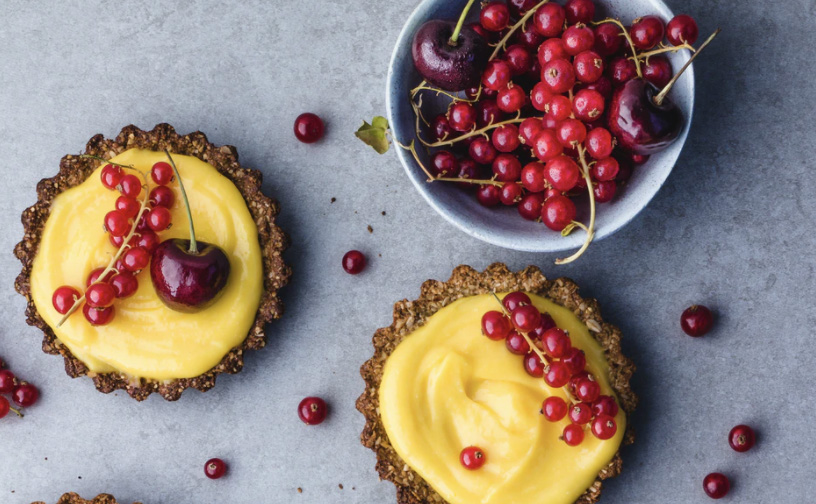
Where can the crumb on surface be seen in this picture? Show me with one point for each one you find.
(300, 490)
(383, 212)
(333, 200)
(370, 229)
(341, 486)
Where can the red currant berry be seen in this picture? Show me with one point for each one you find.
(162, 196)
(519, 59)
(162, 173)
(468, 169)
(529, 129)
(5, 407)
(599, 143)
(554, 408)
(682, 29)
(444, 163)
(111, 176)
(646, 32)
(506, 138)
(580, 413)
(158, 218)
(496, 75)
(116, 223)
(608, 39)
(312, 410)
(605, 191)
(556, 374)
(578, 38)
(495, 16)
(573, 435)
(716, 485)
(116, 241)
(605, 405)
(604, 427)
(571, 132)
(742, 438)
(309, 128)
(575, 360)
(472, 458)
(441, 127)
(579, 11)
(546, 324)
(551, 49)
(559, 107)
(558, 75)
(534, 366)
(562, 173)
(511, 99)
(95, 277)
(527, 36)
(124, 284)
(605, 169)
(603, 85)
(98, 316)
(488, 195)
(482, 151)
(557, 212)
(622, 70)
(517, 344)
(488, 112)
(589, 67)
(540, 97)
(135, 259)
(7, 381)
(588, 390)
(533, 178)
(215, 468)
(696, 320)
(354, 262)
(148, 240)
(495, 325)
(507, 168)
(462, 116)
(556, 343)
(128, 207)
(639, 159)
(511, 193)
(588, 105)
(525, 318)
(549, 19)
(575, 379)
(546, 146)
(25, 395)
(64, 298)
(516, 299)
(658, 71)
(100, 295)
(530, 206)
(130, 186)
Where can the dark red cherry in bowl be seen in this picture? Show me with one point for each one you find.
(640, 122)
(186, 280)
(448, 62)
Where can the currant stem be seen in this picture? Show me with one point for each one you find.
(591, 228)
(515, 27)
(193, 244)
(16, 411)
(662, 50)
(628, 39)
(475, 132)
(455, 37)
(412, 148)
(662, 95)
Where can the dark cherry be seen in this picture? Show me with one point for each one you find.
(215, 468)
(716, 485)
(696, 320)
(354, 262)
(189, 279)
(452, 67)
(641, 125)
(312, 410)
(308, 128)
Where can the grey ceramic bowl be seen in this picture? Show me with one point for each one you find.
(503, 226)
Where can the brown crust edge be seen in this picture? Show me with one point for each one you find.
(73, 498)
(465, 281)
(74, 170)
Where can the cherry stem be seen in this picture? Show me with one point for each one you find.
(193, 244)
(590, 230)
(455, 37)
(662, 95)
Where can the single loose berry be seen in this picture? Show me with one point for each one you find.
(130, 186)
(309, 128)
(495, 325)
(742, 438)
(162, 173)
(124, 284)
(580, 413)
(575, 360)
(354, 262)
(556, 375)
(573, 435)
(100, 295)
(605, 405)
(696, 320)
(7, 382)
(98, 316)
(215, 468)
(516, 343)
(557, 212)
(646, 32)
(534, 366)
(25, 395)
(682, 29)
(604, 427)
(111, 176)
(135, 259)
(495, 16)
(312, 410)
(554, 408)
(64, 298)
(525, 318)
(716, 485)
(549, 19)
(472, 458)
(116, 223)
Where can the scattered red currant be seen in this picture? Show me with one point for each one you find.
(472, 458)
(25, 395)
(716, 485)
(64, 298)
(741, 438)
(696, 320)
(354, 262)
(573, 434)
(215, 468)
(312, 410)
(309, 128)
(7, 381)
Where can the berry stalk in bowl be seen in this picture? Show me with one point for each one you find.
(565, 109)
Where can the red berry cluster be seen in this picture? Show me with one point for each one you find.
(548, 353)
(133, 229)
(22, 393)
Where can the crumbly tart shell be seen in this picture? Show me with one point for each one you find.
(434, 295)
(72, 498)
(273, 241)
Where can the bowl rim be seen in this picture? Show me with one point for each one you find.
(547, 244)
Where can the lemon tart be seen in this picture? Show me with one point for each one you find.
(437, 388)
(72, 498)
(149, 346)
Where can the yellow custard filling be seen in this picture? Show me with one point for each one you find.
(147, 339)
(447, 386)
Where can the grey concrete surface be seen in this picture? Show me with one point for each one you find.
(732, 229)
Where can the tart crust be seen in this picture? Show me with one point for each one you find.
(72, 498)
(273, 241)
(434, 295)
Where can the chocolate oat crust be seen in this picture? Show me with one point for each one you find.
(465, 281)
(72, 498)
(75, 169)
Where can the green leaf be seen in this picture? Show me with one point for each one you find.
(374, 134)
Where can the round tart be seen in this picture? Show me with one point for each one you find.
(72, 498)
(437, 386)
(149, 346)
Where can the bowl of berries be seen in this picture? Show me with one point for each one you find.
(540, 126)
